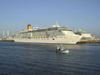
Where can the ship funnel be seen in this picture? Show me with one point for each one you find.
(28, 27)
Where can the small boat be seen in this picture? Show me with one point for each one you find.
(64, 51)
(61, 50)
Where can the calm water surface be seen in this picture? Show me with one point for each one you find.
(42, 59)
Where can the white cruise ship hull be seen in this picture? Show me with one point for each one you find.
(87, 38)
(64, 40)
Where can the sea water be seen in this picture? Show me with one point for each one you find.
(42, 59)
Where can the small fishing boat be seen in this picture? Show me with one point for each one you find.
(61, 50)
(64, 51)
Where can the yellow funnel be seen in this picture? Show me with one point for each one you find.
(28, 27)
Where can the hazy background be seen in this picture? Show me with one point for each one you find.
(15, 15)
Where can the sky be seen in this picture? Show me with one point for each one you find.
(15, 15)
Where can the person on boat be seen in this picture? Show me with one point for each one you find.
(59, 49)
(56, 50)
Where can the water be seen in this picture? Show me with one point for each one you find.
(42, 59)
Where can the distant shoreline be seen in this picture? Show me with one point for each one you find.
(7, 40)
(88, 41)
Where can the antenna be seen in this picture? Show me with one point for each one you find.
(56, 23)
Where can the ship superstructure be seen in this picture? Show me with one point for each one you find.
(85, 35)
(54, 34)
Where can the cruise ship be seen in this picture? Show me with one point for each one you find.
(52, 35)
(85, 35)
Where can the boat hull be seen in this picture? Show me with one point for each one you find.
(87, 38)
(67, 40)
(64, 51)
